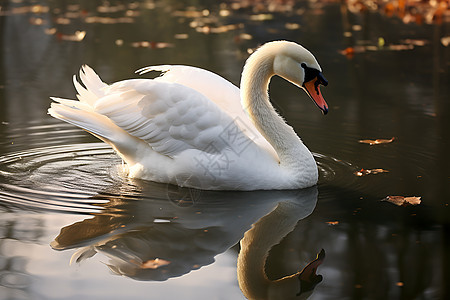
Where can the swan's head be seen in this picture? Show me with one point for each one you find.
(300, 285)
(297, 65)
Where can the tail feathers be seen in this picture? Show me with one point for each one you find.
(73, 104)
(72, 112)
(94, 86)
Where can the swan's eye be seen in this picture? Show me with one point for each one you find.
(310, 73)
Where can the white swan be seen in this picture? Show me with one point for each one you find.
(192, 128)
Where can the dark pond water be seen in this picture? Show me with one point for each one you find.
(71, 223)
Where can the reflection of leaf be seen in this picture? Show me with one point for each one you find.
(377, 141)
(403, 201)
(154, 263)
(364, 172)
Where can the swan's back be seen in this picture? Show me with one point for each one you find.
(217, 89)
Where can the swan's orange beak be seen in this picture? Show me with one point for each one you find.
(312, 87)
(308, 277)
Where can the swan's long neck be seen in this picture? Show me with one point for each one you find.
(255, 247)
(255, 81)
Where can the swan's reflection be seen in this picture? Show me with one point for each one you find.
(175, 231)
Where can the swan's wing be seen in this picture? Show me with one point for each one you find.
(170, 117)
(217, 89)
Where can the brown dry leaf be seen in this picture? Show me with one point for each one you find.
(110, 9)
(351, 51)
(78, 36)
(292, 26)
(108, 20)
(181, 36)
(220, 29)
(377, 141)
(154, 263)
(445, 41)
(261, 17)
(364, 172)
(403, 201)
(191, 13)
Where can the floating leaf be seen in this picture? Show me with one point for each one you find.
(377, 141)
(154, 263)
(416, 42)
(50, 31)
(220, 29)
(261, 17)
(78, 36)
(37, 21)
(364, 172)
(181, 36)
(224, 12)
(400, 47)
(62, 21)
(108, 20)
(332, 223)
(403, 201)
(151, 45)
(351, 51)
(292, 26)
(445, 41)
(110, 9)
(191, 13)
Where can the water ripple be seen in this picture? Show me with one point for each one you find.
(70, 176)
(62, 178)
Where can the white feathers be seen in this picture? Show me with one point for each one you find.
(188, 126)
(169, 117)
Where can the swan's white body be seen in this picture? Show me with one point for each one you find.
(189, 128)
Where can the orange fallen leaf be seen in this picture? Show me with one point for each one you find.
(377, 141)
(364, 172)
(403, 201)
(332, 223)
(349, 52)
